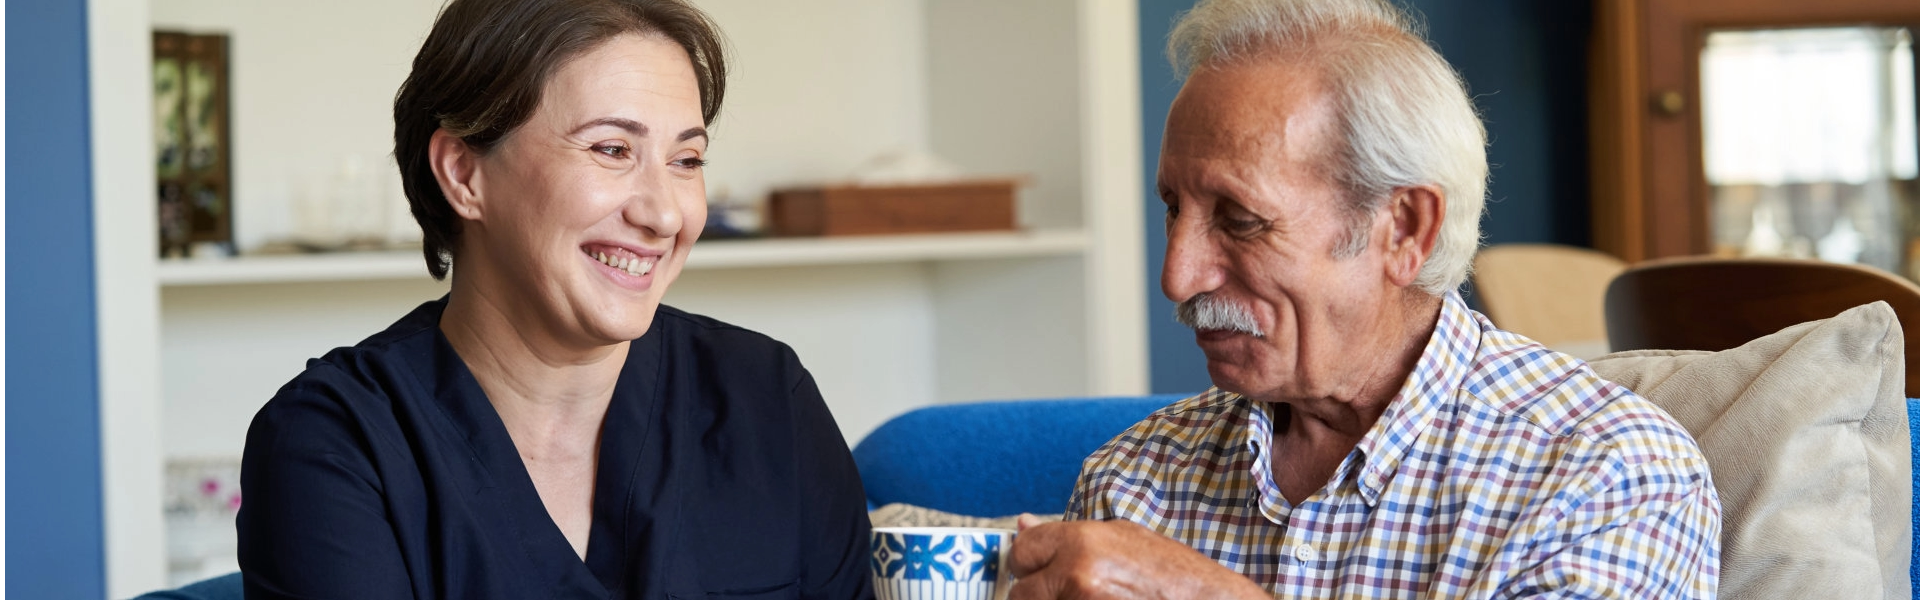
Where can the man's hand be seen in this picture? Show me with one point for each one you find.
(1100, 560)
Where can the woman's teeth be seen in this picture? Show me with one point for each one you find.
(633, 266)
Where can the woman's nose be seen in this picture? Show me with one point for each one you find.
(653, 206)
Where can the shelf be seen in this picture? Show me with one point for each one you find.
(707, 254)
(290, 268)
(782, 252)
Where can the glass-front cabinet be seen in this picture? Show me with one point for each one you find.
(1741, 128)
(1809, 144)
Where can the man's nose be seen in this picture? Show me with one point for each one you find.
(1194, 261)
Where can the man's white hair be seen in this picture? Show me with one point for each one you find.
(1402, 111)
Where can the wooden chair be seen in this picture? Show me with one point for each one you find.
(1702, 303)
(1553, 294)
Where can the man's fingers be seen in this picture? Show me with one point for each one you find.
(1028, 521)
(1040, 586)
(1033, 548)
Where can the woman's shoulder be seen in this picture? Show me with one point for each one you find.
(351, 386)
(710, 338)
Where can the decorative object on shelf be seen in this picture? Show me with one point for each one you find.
(905, 167)
(728, 218)
(899, 191)
(192, 153)
(202, 498)
(978, 205)
(347, 205)
(350, 203)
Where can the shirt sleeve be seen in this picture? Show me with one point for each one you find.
(1115, 481)
(1089, 502)
(833, 502)
(1651, 531)
(313, 520)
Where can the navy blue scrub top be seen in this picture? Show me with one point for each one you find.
(383, 472)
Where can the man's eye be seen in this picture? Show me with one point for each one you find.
(1244, 226)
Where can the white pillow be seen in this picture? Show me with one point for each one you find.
(1805, 431)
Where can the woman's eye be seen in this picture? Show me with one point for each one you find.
(612, 150)
(691, 163)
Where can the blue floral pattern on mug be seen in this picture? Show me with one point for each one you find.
(932, 557)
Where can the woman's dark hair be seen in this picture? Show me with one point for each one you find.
(482, 69)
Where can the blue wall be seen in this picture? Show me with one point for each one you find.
(1176, 363)
(54, 535)
(1525, 64)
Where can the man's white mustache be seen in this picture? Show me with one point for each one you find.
(1203, 312)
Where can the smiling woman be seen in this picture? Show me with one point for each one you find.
(549, 428)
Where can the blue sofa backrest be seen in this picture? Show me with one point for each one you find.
(993, 459)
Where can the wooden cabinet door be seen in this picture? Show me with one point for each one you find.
(1650, 195)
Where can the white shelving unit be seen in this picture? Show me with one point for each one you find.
(886, 324)
(707, 254)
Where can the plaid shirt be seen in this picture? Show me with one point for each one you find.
(1501, 469)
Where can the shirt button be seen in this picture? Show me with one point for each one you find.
(1305, 553)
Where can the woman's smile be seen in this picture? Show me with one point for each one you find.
(630, 268)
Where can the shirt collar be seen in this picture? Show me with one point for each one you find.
(1440, 372)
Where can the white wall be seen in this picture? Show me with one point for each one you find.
(119, 65)
(1010, 329)
(1012, 66)
(816, 88)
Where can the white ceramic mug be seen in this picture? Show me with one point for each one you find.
(944, 563)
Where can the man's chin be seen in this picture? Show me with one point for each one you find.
(1239, 364)
(1227, 375)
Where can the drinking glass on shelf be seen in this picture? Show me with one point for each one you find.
(314, 224)
(358, 192)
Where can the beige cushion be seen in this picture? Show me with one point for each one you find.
(1806, 433)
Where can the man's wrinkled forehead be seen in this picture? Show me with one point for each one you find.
(1251, 109)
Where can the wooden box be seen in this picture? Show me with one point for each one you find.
(865, 210)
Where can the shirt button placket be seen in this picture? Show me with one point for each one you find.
(1305, 554)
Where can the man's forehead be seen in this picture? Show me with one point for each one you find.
(1249, 110)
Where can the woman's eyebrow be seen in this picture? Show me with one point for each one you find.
(636, 128)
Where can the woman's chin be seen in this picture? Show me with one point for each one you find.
(627, 325)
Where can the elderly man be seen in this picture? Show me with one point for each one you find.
(1368, 435)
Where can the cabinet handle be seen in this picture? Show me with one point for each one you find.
(1669, 103)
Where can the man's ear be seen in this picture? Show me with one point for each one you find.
(1416, 213)
(456, 166)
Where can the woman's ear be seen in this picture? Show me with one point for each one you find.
(1417, 214)
(456, 166)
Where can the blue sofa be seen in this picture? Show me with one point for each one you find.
(980, 459)
(931, 457)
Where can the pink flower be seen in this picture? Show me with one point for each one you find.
(209, 486)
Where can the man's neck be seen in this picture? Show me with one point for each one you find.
(1312, 435)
